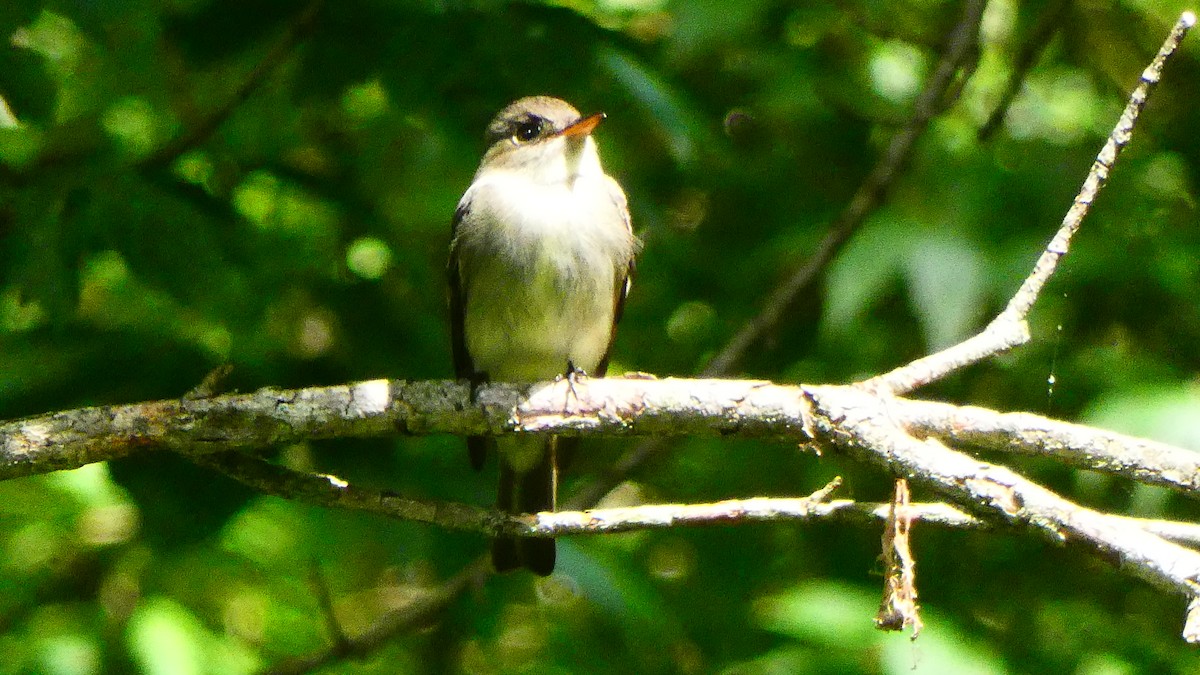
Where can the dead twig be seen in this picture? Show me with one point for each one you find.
(1010, 329)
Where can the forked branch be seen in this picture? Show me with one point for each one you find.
(1010, 329)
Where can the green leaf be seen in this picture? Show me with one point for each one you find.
(1170, 414)
(947, 286)
(863, 272)
(822, 613)
(838, 618)
(167, 639)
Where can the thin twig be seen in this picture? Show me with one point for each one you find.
(960, 44)
(320, 586)
(330, 491)
(297, 28)
(416, 614)
(899, 609)
(1009, 329)
(1047, 27)
(866, 431)
(946, 515)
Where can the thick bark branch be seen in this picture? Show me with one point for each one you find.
(865, 430)
(610, 406)
(870, 425)
(271, 417)
(1076, 445)
(907, 438)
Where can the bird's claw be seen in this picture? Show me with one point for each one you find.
(573, 376)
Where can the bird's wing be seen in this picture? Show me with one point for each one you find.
(464, 368)
(624, 275)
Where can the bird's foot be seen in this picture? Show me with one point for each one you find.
(574, 376)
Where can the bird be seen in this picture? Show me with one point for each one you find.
(540, 263)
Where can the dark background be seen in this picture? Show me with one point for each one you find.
(195, 182)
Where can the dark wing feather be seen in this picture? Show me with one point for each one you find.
(621, 290)
(464, 369)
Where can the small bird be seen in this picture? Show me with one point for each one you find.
(541, 256)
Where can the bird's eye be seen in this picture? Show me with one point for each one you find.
(528, 130)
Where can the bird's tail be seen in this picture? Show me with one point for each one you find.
(528, 492)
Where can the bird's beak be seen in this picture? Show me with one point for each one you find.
(583, 126)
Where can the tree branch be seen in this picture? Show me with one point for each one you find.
(934, 97)
(1009, 329)
(866, 432)
(869, 425)
(416, 614)
(1046, 28)
(864, 421)
(295, 30)
(271, 417)
(1076, 445)
(607, 406)
(330, 491)
(960, 43)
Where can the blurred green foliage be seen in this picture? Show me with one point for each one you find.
(303, 241)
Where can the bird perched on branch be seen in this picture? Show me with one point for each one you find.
(540, 262)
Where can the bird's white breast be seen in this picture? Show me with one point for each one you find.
(540, 264)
